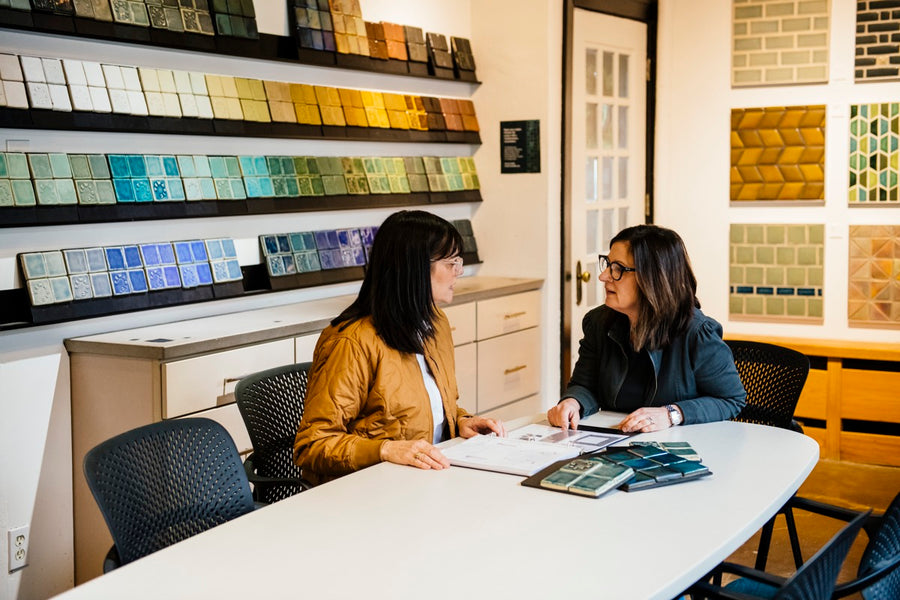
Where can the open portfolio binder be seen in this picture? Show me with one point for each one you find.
(529, 449)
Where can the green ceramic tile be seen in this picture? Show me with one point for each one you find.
(232, 166)
(99, 166)
(217, 168)
(80, 167)
(6, 195)
(105, 192)
(774, 306)
(223, 187)
(65, 190)
(4, 173)
(753, 306)
(318, 188)
(40, 166)
(59, 166)
(775, 234)
(87, 191)
(17, 165)
(46, 191)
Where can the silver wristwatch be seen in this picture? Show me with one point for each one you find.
(675, 417)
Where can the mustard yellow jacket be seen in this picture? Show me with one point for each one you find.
(362, 392)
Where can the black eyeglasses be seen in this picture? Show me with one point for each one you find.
(616, 269)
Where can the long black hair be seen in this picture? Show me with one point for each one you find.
(666, 284)
(396, 290)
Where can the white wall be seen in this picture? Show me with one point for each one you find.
(693, 148)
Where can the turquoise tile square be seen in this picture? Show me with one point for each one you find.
(186, 166)
(202, 166)
(17, 166)
(99, 166)
(65, 190)
(266, 187)
(106, 194)
(248, 166)
(118, 166)
(81, 168)
(176, 188)
(217, 167)
(137, 165)
(208, 187)
(252, 187)
(237, 188)
(159, 189)
(4, 173)
(124, 190)
(6, 195)
(170, 166)
(261, 165)
(23, 192)
(193, 190)
(223, 188)
(153, 165)
(142, 189)
(40, 166)
(232, 167)
(46, 191)
(33, 265)
(62, 290)
(59, 165)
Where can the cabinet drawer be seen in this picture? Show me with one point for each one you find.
(526, 407)
(229, 417)
(509, 368)
(508, 314)
(462, 322)
(304, 346)
(467, 376)
(207, 381)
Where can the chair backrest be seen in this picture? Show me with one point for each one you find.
(271, 403)
(164, 482)
(817, 577)
(773, 377)
(883, 552)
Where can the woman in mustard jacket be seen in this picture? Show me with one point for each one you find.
(382, 386)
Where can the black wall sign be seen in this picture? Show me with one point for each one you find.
(520, 146)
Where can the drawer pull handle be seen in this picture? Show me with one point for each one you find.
(515, 314)
(514, 369)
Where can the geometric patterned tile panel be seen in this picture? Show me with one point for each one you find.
(877, 40)
(778, 42)
(874, 279)
(776, 272)
(874, 152)
(778, 153)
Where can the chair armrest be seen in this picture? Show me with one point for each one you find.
(272, 481)
(881, 570)
(702, 589)
(112, 560)
(840, 513)
(751, 573)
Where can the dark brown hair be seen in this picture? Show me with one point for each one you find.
(666, 284)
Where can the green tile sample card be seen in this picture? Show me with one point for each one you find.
(520, 146)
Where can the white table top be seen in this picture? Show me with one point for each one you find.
(396, 532)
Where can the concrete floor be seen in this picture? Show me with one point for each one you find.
(847, 484)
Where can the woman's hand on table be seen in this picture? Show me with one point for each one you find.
(646, 419)
(472, 426)
(415, 453)
(565, 414)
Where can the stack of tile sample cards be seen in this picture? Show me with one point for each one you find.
(438, 51)
(462, 54)
(587, 476)
(657, 464)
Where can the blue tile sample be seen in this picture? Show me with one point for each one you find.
(160, 189)
(56, 265)
(234, 269)
(137, 165)
(76, 261)
(176, 188)
(170, 166)
(284, 244)
(248, 168)
(33, 265)
(269, 244)
(322, 240)
(124, 190)
(276, 266)
(62, 289)
(252, 185)
(189, 276)
(198, 249)
(202, 165)
(115, 258)
(132, 257)
(220, 271)
(173, 279)
(120, 284)
(326, 259)
(40, 292)
(217, 167)
(332, 238)
(266, 188)
(228, 250)
(96, 259)
(154, 166)
(204, 274)
(100, 284)
(186, 166)
(309, 240)
(118, 166)
(138, 280)
(156, 278)
(296, 242)
(290, 267)
(142, 190)
(214, 249)
(81, 286)
(166, 254)
(208, 188)
(183, 253)
(150, 254)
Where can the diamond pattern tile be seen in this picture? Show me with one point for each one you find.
(873, 295)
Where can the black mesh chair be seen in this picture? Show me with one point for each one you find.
(773, 377)
(165, 482)
(814, 580)
(271, 404)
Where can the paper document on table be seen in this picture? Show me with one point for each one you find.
(585, 441)
(507, 455)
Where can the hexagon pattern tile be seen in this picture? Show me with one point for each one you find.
(779, 42)
(873, 297)
(778, 153)
(776, 272)
(874, 153)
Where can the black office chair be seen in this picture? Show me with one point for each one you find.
(271, 403)
(878, 574)
(814, 580)
(165, 482)
(773, 377)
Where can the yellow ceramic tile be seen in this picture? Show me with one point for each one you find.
(282, 112)
(234, 109)
(229, 87)
(346, 98)
(257, 89)
(242, 86)
(398, 119)
(214, 85)
(340, 42)
(220, 107)
(277, 91)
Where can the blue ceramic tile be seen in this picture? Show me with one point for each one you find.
(269, 244)
(76, 261)
(189, 276)
(142, 191)
(309, 240)
(346, 257)
(173, 279)
(160, 189)
(275, 265)
(252, 185)
(234, 270)
(100, 284)
(198, 250)
(96, 259)
(118, 166)
(166, 253)
(325, 259)
(201, 165)
(214, 249)
(120, 284)
(138, 280)
(204, 274)
(322, 240)
(367, 235)
(62, 289)
(156, 278)
(301, 263)
(296, 242)
(124, 190)
(186, 165)
(81, 286)
(284, 244)
(266, 188)
(228, 250)
(248, 167)
(136, 165)
(359, 256)
(261, 165)
(153, 165)
(56, 265)
(355, 238)
(183, 253)
(170, 166)
(176, 188)
(115, 258)
(33, 265)
(290, 268)
(332, 238)
(132, 257)
(40, 292)
(343, 238)
(220, 271)
(150, 254)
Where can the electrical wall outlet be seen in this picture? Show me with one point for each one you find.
(18, 548)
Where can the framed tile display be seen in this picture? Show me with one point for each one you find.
(873, 295)
(877, 42)
(779, 42)
(874, 153)
(776, 272)
(778, 153)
